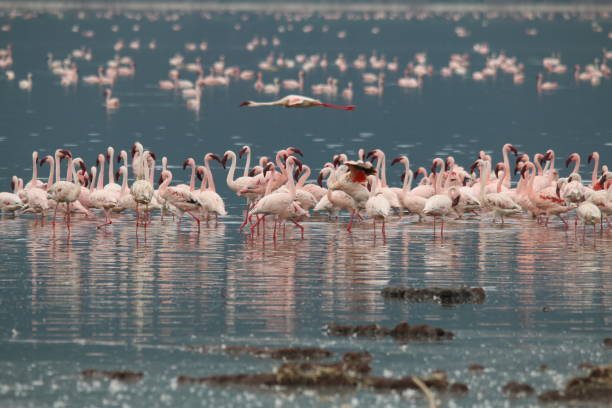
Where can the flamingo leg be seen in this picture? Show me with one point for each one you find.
(442, 228)
(108, 219)
(255, 225)
(350, 224)
(434, 228)
(383, 229)
(68, 217)
(564, 222)
(299, 226)
(195, 218)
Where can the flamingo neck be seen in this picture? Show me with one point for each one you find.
(124, 182)
(111, 173)
(57, 167)
(192, 180)
(101, 176)
(247, 164)
(304, 177)
(506, 167)
(577, 166)
(211, 181)
(51, 173)
(34, 168)
(500, 182)
(232, 170)
(595, 170)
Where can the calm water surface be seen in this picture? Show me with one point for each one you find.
(110, 300)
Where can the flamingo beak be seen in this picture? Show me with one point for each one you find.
(558, 192)
(245, 103)
(243, 151)
(266, 169)
(82, 165)
(119, 158)
(296, 174)
(523, 170)
(153, 155)
(396, 160)
(108, 159)
(117, 174)
(456, 200)
(336, 160)
(42, 161)
(199, 174)
(12, 186)
(66, 153)
(295, 150)
(185, 164)
(224, 161)
(371, 156)
(160, 180)
(215, 157)
(473, 166)
(320, 180)
(252, 173)
(590, 158)
(133, 150)
(569, 160)
(497, 171)
(513, 150)
(299, 163)
(97, 162)
(403, 177)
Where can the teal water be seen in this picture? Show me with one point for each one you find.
(106, 300)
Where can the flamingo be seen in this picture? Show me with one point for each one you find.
(103, 199)
(296, 101)
(209, 200)
(64, 191)
(412, 202)
(26, 84)
(279, 204)
(500, 202)
(377, 206)
(589, 214)
(352, 183)
(440, 205)
(545, 86)
(142, 188)
(110, 102)
(183, 200)
(10, 202)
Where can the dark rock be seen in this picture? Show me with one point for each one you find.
(546, 309)
(596, 387)
(401, 332)
(352, 372)
(586, 366)
(608, 342)
(286, 353)
(445, 296)
(543, 367)
(458, 388)
(516, 389)
(477, 368)
(126, 376)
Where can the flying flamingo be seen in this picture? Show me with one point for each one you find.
(297, 101)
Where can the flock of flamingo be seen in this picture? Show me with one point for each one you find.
(376, 71)
(278, 189)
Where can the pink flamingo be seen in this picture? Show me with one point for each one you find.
(297, 101)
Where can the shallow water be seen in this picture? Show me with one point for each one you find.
(114, 300)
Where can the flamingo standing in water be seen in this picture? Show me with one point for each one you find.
(297, 101)
(279, 204)
(10, 202)
(110, 102)
(142, 189)
(377, 206)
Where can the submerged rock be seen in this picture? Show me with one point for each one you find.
(516, 389)
(352, 372)
(401, 332)
(608, 342)
(126, 376)
(446, 296)
(597, 386)
(476, 368)
(285, 353)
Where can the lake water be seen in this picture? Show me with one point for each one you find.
(106, 300)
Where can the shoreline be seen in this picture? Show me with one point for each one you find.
(305, 7)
